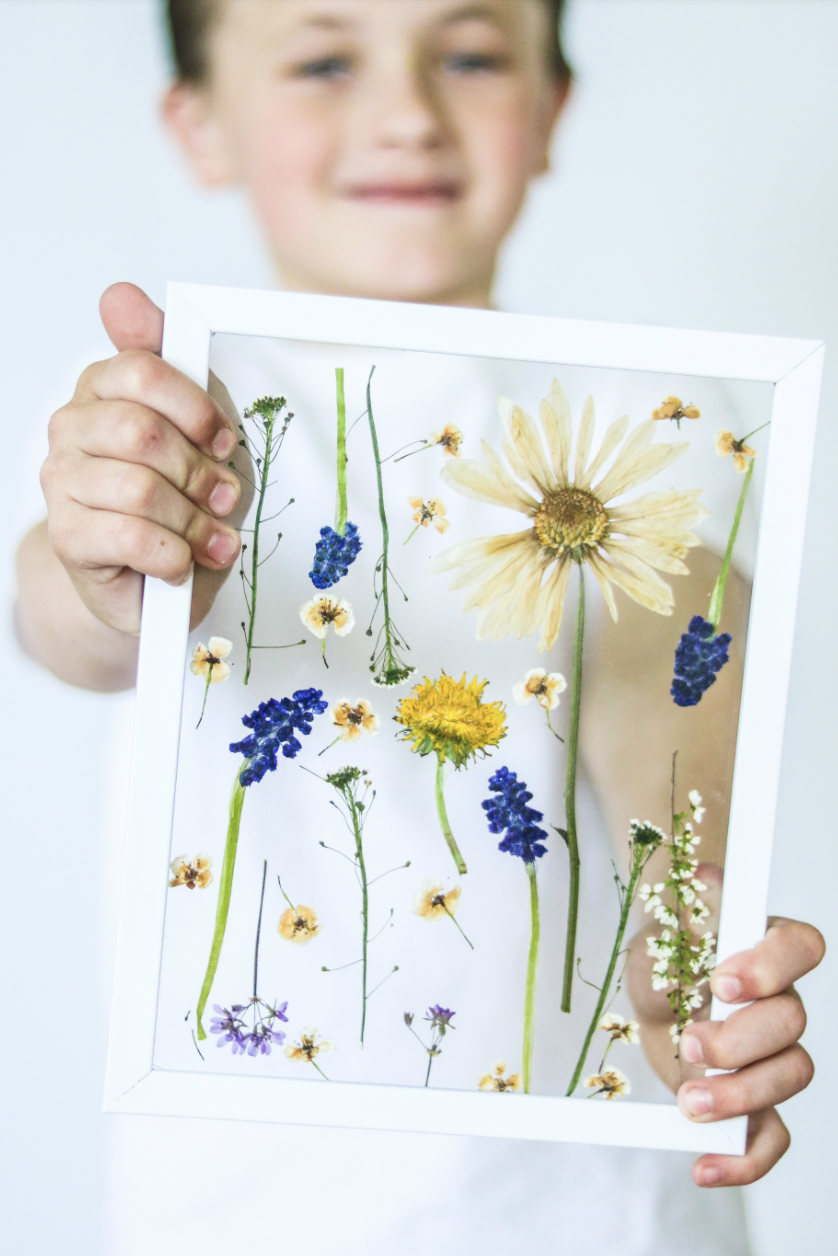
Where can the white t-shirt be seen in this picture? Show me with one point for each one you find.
(184, 1186)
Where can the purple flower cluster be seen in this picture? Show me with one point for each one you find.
(256, 1041)
(333, 555)
(700, 654)
(440, 1018)
(274, 724)
(509, 811)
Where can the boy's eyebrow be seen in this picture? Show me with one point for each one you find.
(466, 13)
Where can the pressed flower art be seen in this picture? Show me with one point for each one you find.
(208, 662)
(432, 902)
(449, 718)
(352, 720)
(308, 1049)
(191, 872)
(439, 1019)
(425, 512)
(496, 1081)
(339, 546)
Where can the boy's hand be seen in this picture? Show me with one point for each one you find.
(760, 1041)
(135, 481)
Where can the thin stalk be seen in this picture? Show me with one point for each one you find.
(225, 887)
(570, 796)
(532, 963)
(263, 488)
(206, 691)
(443, 821)
(628, 899)
(453, 918)
(413, 533)
(714, 614)
(259, 933)
(428, 1074)
(552, 729)
(342, 510)
(359, 854)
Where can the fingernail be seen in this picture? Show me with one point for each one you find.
(222, 547)
(223, 498)
(224, 444)
(698, 1102)
(691, 1048)
(711, 1176)
(728, 989)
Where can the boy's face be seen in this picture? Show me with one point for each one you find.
(385, 144)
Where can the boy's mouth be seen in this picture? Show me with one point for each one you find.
(438, 192)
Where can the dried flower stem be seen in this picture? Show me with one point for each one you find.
(206, 691)
(714, 614)
(444, 822)
(532, 963)
(570, 796)
(259, 932)
(225, 888)
(342, 509)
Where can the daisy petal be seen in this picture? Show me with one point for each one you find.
(554, 412)
(584, 439)
(610, 441)
(477, 481)
(551, 604)
(524, 451)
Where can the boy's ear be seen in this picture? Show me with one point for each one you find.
(188, 115)
(552, 110)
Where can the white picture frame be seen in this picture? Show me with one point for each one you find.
(193, 314)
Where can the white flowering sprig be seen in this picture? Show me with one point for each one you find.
(683, 959)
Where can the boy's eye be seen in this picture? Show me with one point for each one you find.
(474, 63)
(324, 68)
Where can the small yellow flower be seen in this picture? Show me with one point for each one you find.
(191, 873)
(298, 924)
(354, 718)
(726, 443)
(496, 1080)
(324, 610)
(544, 686)
(433, 903)
(208, 660)
(425, 512)
(611, 1085)
(674, 408)
(620, 1030)
(449, 716)
(450, 438)
(308, 1048)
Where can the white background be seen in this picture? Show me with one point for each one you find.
(695, 185)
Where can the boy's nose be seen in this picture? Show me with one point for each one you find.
(404, 112)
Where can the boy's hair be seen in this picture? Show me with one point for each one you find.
(189, 23)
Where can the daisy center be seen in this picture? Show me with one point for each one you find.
(571, 520)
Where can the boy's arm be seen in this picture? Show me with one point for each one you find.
(136, 484)
(629, 672)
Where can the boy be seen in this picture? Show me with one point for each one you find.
(386, 146)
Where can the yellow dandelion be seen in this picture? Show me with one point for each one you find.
(726, 443)
(425, 512)
(191, 872)
(298, 924)
(518, 581)
(674, 408)
(496, 1080)
(308, 1048)
(450, 438)
(611, 1085)
(620, 1030)
(545, 687)
(449, 718)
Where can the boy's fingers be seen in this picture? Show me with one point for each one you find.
(754, 1032)
(758, 1086)
(110, 541)
(768, 1141)
(134, 434)
(789, 950)
(130, 318)
(140, 376)
(127, 488)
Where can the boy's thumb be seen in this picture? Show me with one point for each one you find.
(130, 318)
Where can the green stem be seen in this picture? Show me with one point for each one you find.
(552, 729)
(532, 962)
(254, 574)
(570, 796)
(628, 899)
(413, 533)
(714, 614)
(443, 820)
(428, 1074)
(454, 920)
(342, 511)
(359, 853)
(259, 933)
(206, 691)
(382, 513)
(225, 887)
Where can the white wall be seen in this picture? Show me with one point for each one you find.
(696, 184)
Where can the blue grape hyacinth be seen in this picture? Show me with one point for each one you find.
(274, 724)
(508, 811)
(333, 555)
(700, 654)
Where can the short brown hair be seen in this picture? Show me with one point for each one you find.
(189, 23)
